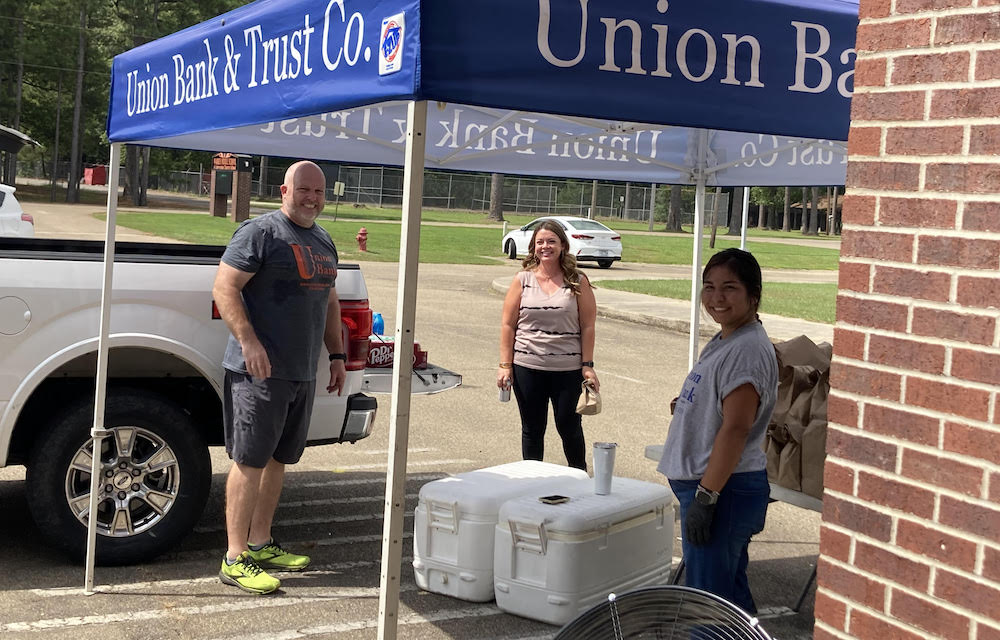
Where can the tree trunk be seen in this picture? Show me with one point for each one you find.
(143, 177)
(496, 197)
(786, 221)
(831, 203)
(652, 205)
(262, 184)
(813, 212)
(835, 223)
(132, 174)
(674, 210)
(805, 210)
(55, 149)
(75, 168)
(10, 171)
(593, 200)
(715, 217)
(735, 212)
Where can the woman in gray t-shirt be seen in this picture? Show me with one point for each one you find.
(713, 456)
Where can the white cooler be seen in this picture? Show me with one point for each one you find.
(554, 561)
(456, 517)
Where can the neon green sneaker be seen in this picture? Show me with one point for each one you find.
(246, 574)
(272, 556)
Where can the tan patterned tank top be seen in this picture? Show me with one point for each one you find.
(548, 328)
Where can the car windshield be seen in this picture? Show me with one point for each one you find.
(587, 225)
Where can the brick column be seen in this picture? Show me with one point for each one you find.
(910, 541)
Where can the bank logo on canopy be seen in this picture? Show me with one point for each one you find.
(390, 49)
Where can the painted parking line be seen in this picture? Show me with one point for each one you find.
(240, 604)
(385, 452)
(405, 620)
(216, 553)
(321, 502)
(333, 568)
(351, 482)
(381, 466)
(297, 522)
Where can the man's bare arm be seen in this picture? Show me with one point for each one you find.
(334, 340)
(229, 283)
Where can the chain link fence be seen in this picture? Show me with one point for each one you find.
(383, 187)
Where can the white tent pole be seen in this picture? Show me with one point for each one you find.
(402, 369)
(97, 431)
(746, 215)
(699, 223)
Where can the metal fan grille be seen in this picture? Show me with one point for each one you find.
(667, 612)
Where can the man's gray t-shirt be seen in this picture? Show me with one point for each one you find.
(286, 299)
(747, 355)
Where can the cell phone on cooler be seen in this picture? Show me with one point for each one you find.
(554, 499)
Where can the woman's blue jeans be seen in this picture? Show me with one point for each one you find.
(720, 566)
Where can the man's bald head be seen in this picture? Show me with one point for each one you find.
(303, 193)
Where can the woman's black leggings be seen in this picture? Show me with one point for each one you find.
(534, 389)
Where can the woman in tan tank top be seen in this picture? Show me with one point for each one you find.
(547, 343)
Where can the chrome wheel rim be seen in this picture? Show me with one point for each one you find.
(139, 483)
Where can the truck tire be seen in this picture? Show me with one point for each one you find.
(511, 250)
(605, 264)
(156, 478)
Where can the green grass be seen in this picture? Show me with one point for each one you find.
(770, 255)
(462, 245)
(808, 301)
(348, 211)
(43, 192)
(471, 245)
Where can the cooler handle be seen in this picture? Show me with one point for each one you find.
(442, 516)
(528, 536)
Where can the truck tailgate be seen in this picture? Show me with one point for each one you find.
(426, 380)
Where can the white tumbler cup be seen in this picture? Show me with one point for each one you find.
(604, 466)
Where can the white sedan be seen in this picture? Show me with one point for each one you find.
(13, 220)
(589, 241)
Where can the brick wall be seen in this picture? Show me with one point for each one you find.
(910, 541)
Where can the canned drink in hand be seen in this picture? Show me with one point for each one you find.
(505, 393)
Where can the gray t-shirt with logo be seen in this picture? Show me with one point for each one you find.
(286, 299)
(747, 355)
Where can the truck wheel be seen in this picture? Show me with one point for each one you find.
(511, 250)
(155, 478)
(605, 264)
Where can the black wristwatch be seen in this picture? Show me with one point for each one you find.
(587, 363)
(706, 497)
(338, 356)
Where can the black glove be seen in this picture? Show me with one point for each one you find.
(698, 525)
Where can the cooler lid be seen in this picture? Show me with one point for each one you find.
(482, 491)
(586, 510)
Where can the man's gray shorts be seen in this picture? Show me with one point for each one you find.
(266, 418)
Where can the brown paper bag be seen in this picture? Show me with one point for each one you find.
(796, 436)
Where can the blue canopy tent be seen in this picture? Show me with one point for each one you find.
(587, 88)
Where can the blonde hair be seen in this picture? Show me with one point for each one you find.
(567, 262)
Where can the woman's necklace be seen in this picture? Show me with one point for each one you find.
(544, 278)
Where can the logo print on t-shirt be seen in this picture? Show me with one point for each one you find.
(304, 261)
(312, 265)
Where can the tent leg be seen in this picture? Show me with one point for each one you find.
(97, 432)
(699, 224)
(402, 369)
(746, 216)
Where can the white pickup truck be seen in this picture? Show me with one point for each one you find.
(164, 383)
